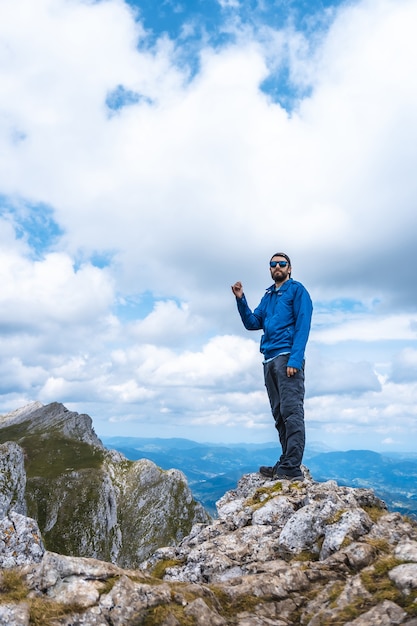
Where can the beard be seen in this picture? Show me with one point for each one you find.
(279, 274)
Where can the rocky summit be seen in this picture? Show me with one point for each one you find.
(279, 553)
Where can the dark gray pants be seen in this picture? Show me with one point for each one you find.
(286, 397)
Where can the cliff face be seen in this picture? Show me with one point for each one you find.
(89, 501)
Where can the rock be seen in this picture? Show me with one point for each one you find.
(37, 418)
(20, 541)
(406, 550)
(203, 615)
(14, 614)
(404, 576)
(12, 479)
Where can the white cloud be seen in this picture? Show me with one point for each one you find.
(51, 290)
(229, 4)
(368, 328)
(193, 187)
(404, 366)
(168, 324)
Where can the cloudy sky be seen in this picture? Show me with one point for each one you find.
(153, 153)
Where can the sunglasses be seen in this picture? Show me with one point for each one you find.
(280, 263)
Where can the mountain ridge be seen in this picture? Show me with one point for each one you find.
(91, 501)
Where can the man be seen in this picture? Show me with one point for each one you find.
(284, 314)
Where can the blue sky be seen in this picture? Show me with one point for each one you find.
(153, 153)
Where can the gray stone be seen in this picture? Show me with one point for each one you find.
(404, 577)
(203, 615)
(14, 614)
(406, 550)
(12, 479)
(20, 541)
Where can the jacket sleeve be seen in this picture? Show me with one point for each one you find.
(303, 309)
(251, 320)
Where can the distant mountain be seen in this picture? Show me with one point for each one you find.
(393, 479)
(213, 469)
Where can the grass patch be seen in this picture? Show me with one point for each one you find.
(161, 567)
(43, 612)
(51, 454)
(346, 542)
(374, 512)
(108, 585)
(377, 582)
(48, 457)
(382, 588)
(12, 587)
(334, 594)
(410, 520)
(347, 614)
(158, 615)
(306, 555)
(382, 546)
(229, 607)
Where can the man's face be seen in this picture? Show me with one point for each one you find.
(279, 273)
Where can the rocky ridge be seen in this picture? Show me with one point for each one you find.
(87, 500)
(280, 553)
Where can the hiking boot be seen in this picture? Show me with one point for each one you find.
(281, 476)
(274, 473)
(267, 471)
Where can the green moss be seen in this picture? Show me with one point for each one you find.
(296, 485)
(346, 542)
(336, 517)
(263, 495)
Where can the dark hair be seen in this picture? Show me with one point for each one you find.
(284, 255)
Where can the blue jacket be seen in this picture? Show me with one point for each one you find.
(285, 317)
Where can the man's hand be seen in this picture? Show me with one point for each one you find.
(238, 289)
(291, 371)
